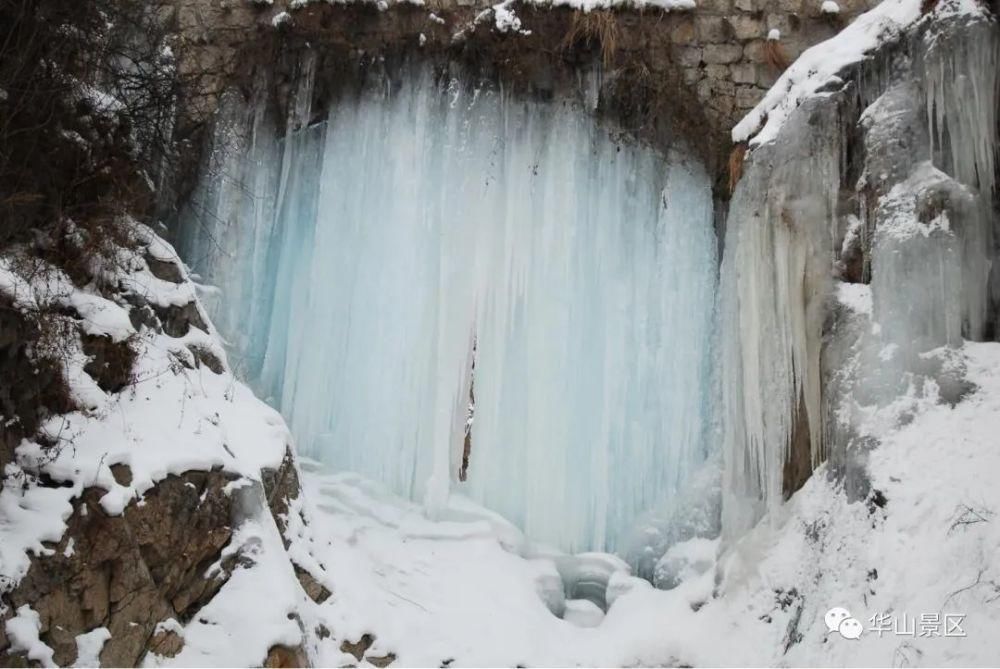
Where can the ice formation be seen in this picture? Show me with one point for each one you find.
(775, 274)
(921, 210)
(439, 258)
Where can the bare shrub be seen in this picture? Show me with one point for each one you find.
(596, 27)
(88, 95)
(736, 158)
(776, 56)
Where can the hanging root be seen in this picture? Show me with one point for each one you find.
(736, 158)
(776, 56)
(598, 26)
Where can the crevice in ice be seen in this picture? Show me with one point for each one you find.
(463, 472)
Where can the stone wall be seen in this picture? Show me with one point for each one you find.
(722, 45)
(717, 51)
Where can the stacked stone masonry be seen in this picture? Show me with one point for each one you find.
(719, 48)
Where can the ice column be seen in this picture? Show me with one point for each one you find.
(426, 228)
(775, 276)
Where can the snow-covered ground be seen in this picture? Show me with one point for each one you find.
(926, 560)
(469, 589)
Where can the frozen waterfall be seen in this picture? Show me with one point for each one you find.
(453, 290)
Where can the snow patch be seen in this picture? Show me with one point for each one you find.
(22, 630)
(820, 64)
(89, 646)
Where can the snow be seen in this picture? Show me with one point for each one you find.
(22, 630)
(171, 419)
(258, 607)
(100, 101)
(774, 35)
(437, 590)
(89, 647)
(829, 7)
(685, 560)
(101, 316)
(174, 417)
(822, 64)
(932, 471)
(32, 284)
(506, 20)
(583, 613)
(856, 296)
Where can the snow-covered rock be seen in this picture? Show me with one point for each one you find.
(175, 483)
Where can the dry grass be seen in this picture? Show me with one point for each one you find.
(776, 56)
(736, 158)
(598, 26)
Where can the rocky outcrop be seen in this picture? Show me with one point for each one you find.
(138, 576)
(159, 560)
(145, 573)
(281, 488)
(286, 656)
(359, 650)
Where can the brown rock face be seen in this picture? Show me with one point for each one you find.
(130, 572)
(361, 646)
(357, 648)
(799, 466)
(281, 486)
(166, 643)
(286, 656)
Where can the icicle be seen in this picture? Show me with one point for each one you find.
(962, 85)
(775, 272)
(428, 229)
